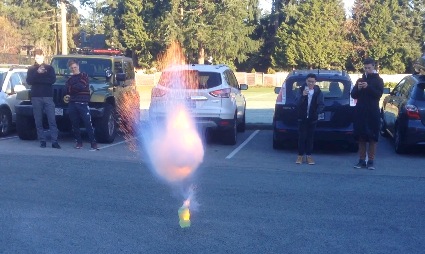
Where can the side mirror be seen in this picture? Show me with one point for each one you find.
(243, 87)
(277, 89)
(120, 76)
(386, 90)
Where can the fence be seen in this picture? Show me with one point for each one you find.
(260, 79)
(15, 59)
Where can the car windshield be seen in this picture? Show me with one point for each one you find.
(190, 79)
(94, 68)
(331, 89)
(2, 76)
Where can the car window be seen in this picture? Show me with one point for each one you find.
(398, 88)
(190, 79)
(419, 93)
(92, 66)
(406, 88)
(231, 78)
(331, 89)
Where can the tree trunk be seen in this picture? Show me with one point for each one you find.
(201, 54)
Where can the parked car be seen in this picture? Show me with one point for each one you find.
(13, 80)
(336, 123)
(211, 93)
(403, 113)
(114, 97)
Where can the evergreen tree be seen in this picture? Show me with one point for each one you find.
(311, 36)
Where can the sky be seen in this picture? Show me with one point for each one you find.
(267, 5)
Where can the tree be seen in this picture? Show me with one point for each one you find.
(8, 37)
(311, 35)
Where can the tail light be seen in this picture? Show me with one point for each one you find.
(412, 112)
(281, 97)
(157, 92)
(222, 93)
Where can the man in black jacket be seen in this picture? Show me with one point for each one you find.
(310, 103)
(41, 77)
(367, 91)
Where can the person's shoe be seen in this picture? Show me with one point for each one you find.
(56, 145)
(43, 144)
(299, 159)
(370, 165)
(310, 160)
(361, 164)
(94, 146)
(78, 145)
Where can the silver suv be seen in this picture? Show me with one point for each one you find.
(13, 80)
(211, 94)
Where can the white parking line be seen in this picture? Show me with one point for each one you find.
(8, 137)
(242, 145)
(118, 143)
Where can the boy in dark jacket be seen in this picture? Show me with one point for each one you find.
(367, 91)
(41, 77)
(78, 95)
(310, 103)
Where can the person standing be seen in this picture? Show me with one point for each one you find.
(78, 95)
(41, 77)
(310, 103)
(367, 91)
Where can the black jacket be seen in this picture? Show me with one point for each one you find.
(367, 115)
(41, 83)
(316, 106)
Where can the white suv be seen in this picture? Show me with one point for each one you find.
(13, 80)
(211, 94)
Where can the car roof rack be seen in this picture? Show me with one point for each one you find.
(320, 72)
(96, 51)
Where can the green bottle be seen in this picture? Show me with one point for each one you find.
(184, 216)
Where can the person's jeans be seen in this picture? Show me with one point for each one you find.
(46, 105)
(80, 111)
(305, 137)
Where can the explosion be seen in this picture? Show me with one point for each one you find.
(174, 147)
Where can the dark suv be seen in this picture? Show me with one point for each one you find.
(114, 97)
(336, 122)
(403, 113)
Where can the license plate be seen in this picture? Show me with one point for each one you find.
(325, 116)
(59, 111)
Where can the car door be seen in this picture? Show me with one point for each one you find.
(14, 80)
(239, 98)
(390, 110)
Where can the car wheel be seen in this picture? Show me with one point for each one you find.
(105, 128)
(383, 130)
(242, 125)
(398, 142)
(230, 136)
(5, 122)
(25, 126)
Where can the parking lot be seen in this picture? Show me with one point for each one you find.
(252, 199)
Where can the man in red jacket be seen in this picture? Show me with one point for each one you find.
(78, 90)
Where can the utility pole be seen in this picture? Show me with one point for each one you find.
(64, 30)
